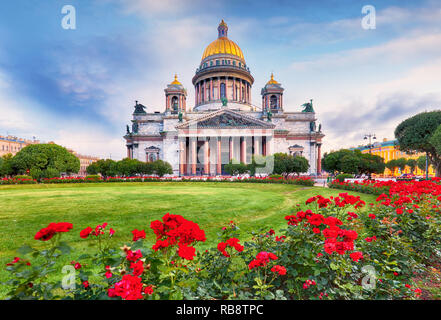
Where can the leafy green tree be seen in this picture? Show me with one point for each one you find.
(412, 164)
(415, 135)
(435, 140)
(392, 165)
(370, 163)
(43, 157)
(107, 167)
(162, 168)
(234, 168)
(352, 162)
(298, 164)
(286, 164)
(6, 165)
(421, 163)
(401, 163)
(128, 167)
(92, 169)
(146, 168)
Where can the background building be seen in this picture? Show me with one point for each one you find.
(12, 144)
(85, 161)
(389, 150)
(223, 124)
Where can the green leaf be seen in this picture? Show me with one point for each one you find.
(25, 249)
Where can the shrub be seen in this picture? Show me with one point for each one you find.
(23, 177)
(341, 177)
(93, 178)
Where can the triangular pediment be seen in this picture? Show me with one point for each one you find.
(226, 119)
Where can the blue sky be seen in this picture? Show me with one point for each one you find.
(78, 87)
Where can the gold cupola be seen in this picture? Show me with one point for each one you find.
(272, 81)
(176, 82)
(223, 45)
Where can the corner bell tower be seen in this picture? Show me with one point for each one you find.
(175, 97)
(272, 96)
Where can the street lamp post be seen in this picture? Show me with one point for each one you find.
(370, 136)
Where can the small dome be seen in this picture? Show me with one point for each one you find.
(272, 81)
(176, 82)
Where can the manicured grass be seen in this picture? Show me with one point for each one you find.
(25, 209)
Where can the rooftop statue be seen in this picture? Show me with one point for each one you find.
(135, 127)
(307, 107)
(269, 115)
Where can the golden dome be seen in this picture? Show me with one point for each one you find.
(176, 82)
(272, 81)
(223, 45)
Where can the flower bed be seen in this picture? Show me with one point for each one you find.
(332, 248)
(17, 181)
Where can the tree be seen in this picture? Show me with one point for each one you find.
(401, 164)
(92, 169)
(421, 163)
(392, 165)
(415, 135)
(370, 163)
(412, 164)
(234, 168)
(435, 140)
(6, 165)
(107, 168)
(286, 164)
(352, 162)
(128, 167)
(45, 157)
(162, 168)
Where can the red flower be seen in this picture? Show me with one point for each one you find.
(86, 284)
(148, 290)
(53, 228)
(85, 232)
(315, 219)
(356, 256)
(138, 234)
(138, 268)
(279, 269)
(185, 252)
(133, 256)
(129, 288)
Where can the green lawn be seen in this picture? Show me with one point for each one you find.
(25, 209)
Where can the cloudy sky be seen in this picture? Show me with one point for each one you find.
(78, 87)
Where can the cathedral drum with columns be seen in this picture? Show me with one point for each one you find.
(223, 125)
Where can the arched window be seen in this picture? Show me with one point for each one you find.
(273, 102)
(174, 103)
(222, 87)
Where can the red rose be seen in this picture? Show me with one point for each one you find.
(186, 252)
(138, 234)
(85, 232)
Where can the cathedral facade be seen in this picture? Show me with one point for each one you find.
(223, 125)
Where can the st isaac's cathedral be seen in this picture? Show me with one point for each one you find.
(223, 124)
